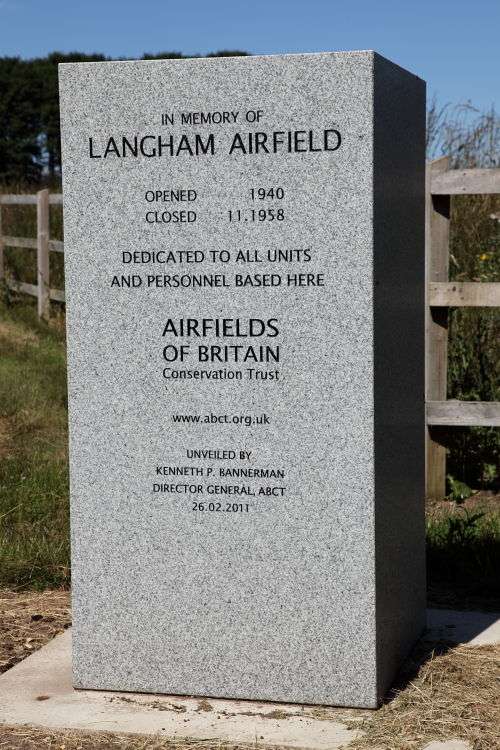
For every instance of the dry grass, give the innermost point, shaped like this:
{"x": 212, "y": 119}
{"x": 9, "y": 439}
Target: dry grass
{"x": 16, "y": 334}
{"x": 29, "y": 738}
{"x": 28, "y": 621}
{"x": 454, "y": 694}
{"x": 5, "y": 436}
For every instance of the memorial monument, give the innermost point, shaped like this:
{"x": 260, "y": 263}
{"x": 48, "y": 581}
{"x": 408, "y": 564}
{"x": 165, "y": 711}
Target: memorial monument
{"x": 244, "y": 243}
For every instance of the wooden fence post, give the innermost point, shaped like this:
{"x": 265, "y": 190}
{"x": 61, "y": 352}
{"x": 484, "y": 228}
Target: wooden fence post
{"x": 437, "y": 261}
{"x": 43, "y": 268}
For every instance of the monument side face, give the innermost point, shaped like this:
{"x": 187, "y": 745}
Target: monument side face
{"x": 398, "y": 305}
{"x": 229, "y": 443}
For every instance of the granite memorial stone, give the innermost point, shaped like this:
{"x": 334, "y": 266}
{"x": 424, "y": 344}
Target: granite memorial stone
{"x": 244, "y": 258}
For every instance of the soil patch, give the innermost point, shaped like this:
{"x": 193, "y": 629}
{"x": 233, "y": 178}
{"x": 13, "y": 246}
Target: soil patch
{"x": 28, "y": 620}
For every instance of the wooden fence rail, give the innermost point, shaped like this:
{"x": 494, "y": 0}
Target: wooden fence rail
{"x": 441, "y": 293}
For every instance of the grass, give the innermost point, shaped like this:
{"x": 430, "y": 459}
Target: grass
{"x": 463, "y": 553}
{"x": 34, "y": 539}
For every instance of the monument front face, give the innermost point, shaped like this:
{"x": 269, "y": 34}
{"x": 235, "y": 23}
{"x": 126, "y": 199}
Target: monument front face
{"x": 244, "y": 260}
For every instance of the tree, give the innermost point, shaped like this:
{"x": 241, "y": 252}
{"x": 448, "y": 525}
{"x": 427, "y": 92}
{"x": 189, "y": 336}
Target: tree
{"x": 20, "y": 121}
{"x": 47, "y": 74}
{"x": 30, "y": 139}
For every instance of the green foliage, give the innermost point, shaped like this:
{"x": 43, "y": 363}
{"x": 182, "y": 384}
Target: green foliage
{"x": 228, "y": 53}
{"x": 461, "y": 530}
{"x": 20, "y": 121}
{"x": 459, "y": 491}
{"x": 474, "y": 335}
{"x": 29, "y": 118}
{"x": 463, "y": 557}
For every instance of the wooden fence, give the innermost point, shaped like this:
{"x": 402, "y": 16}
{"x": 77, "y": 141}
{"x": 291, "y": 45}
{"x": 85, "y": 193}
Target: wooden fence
{"x": 41, "y": 243}
{"x": 442, "y": 183}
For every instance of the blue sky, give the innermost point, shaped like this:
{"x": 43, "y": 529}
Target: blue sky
{"x": 454, "y": 46}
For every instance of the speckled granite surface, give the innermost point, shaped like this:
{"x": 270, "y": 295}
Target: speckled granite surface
{"x": 306, "y": 582}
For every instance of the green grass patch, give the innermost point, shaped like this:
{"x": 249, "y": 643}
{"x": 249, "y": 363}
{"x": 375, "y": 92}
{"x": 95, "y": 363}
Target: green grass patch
{"x": 463, "y": 554}
{"x": 34, "y": 528}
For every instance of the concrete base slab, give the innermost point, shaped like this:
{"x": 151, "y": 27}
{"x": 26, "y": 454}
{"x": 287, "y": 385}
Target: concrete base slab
{"x": 38, "y": 691}
{"x": 473, "y": 628}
